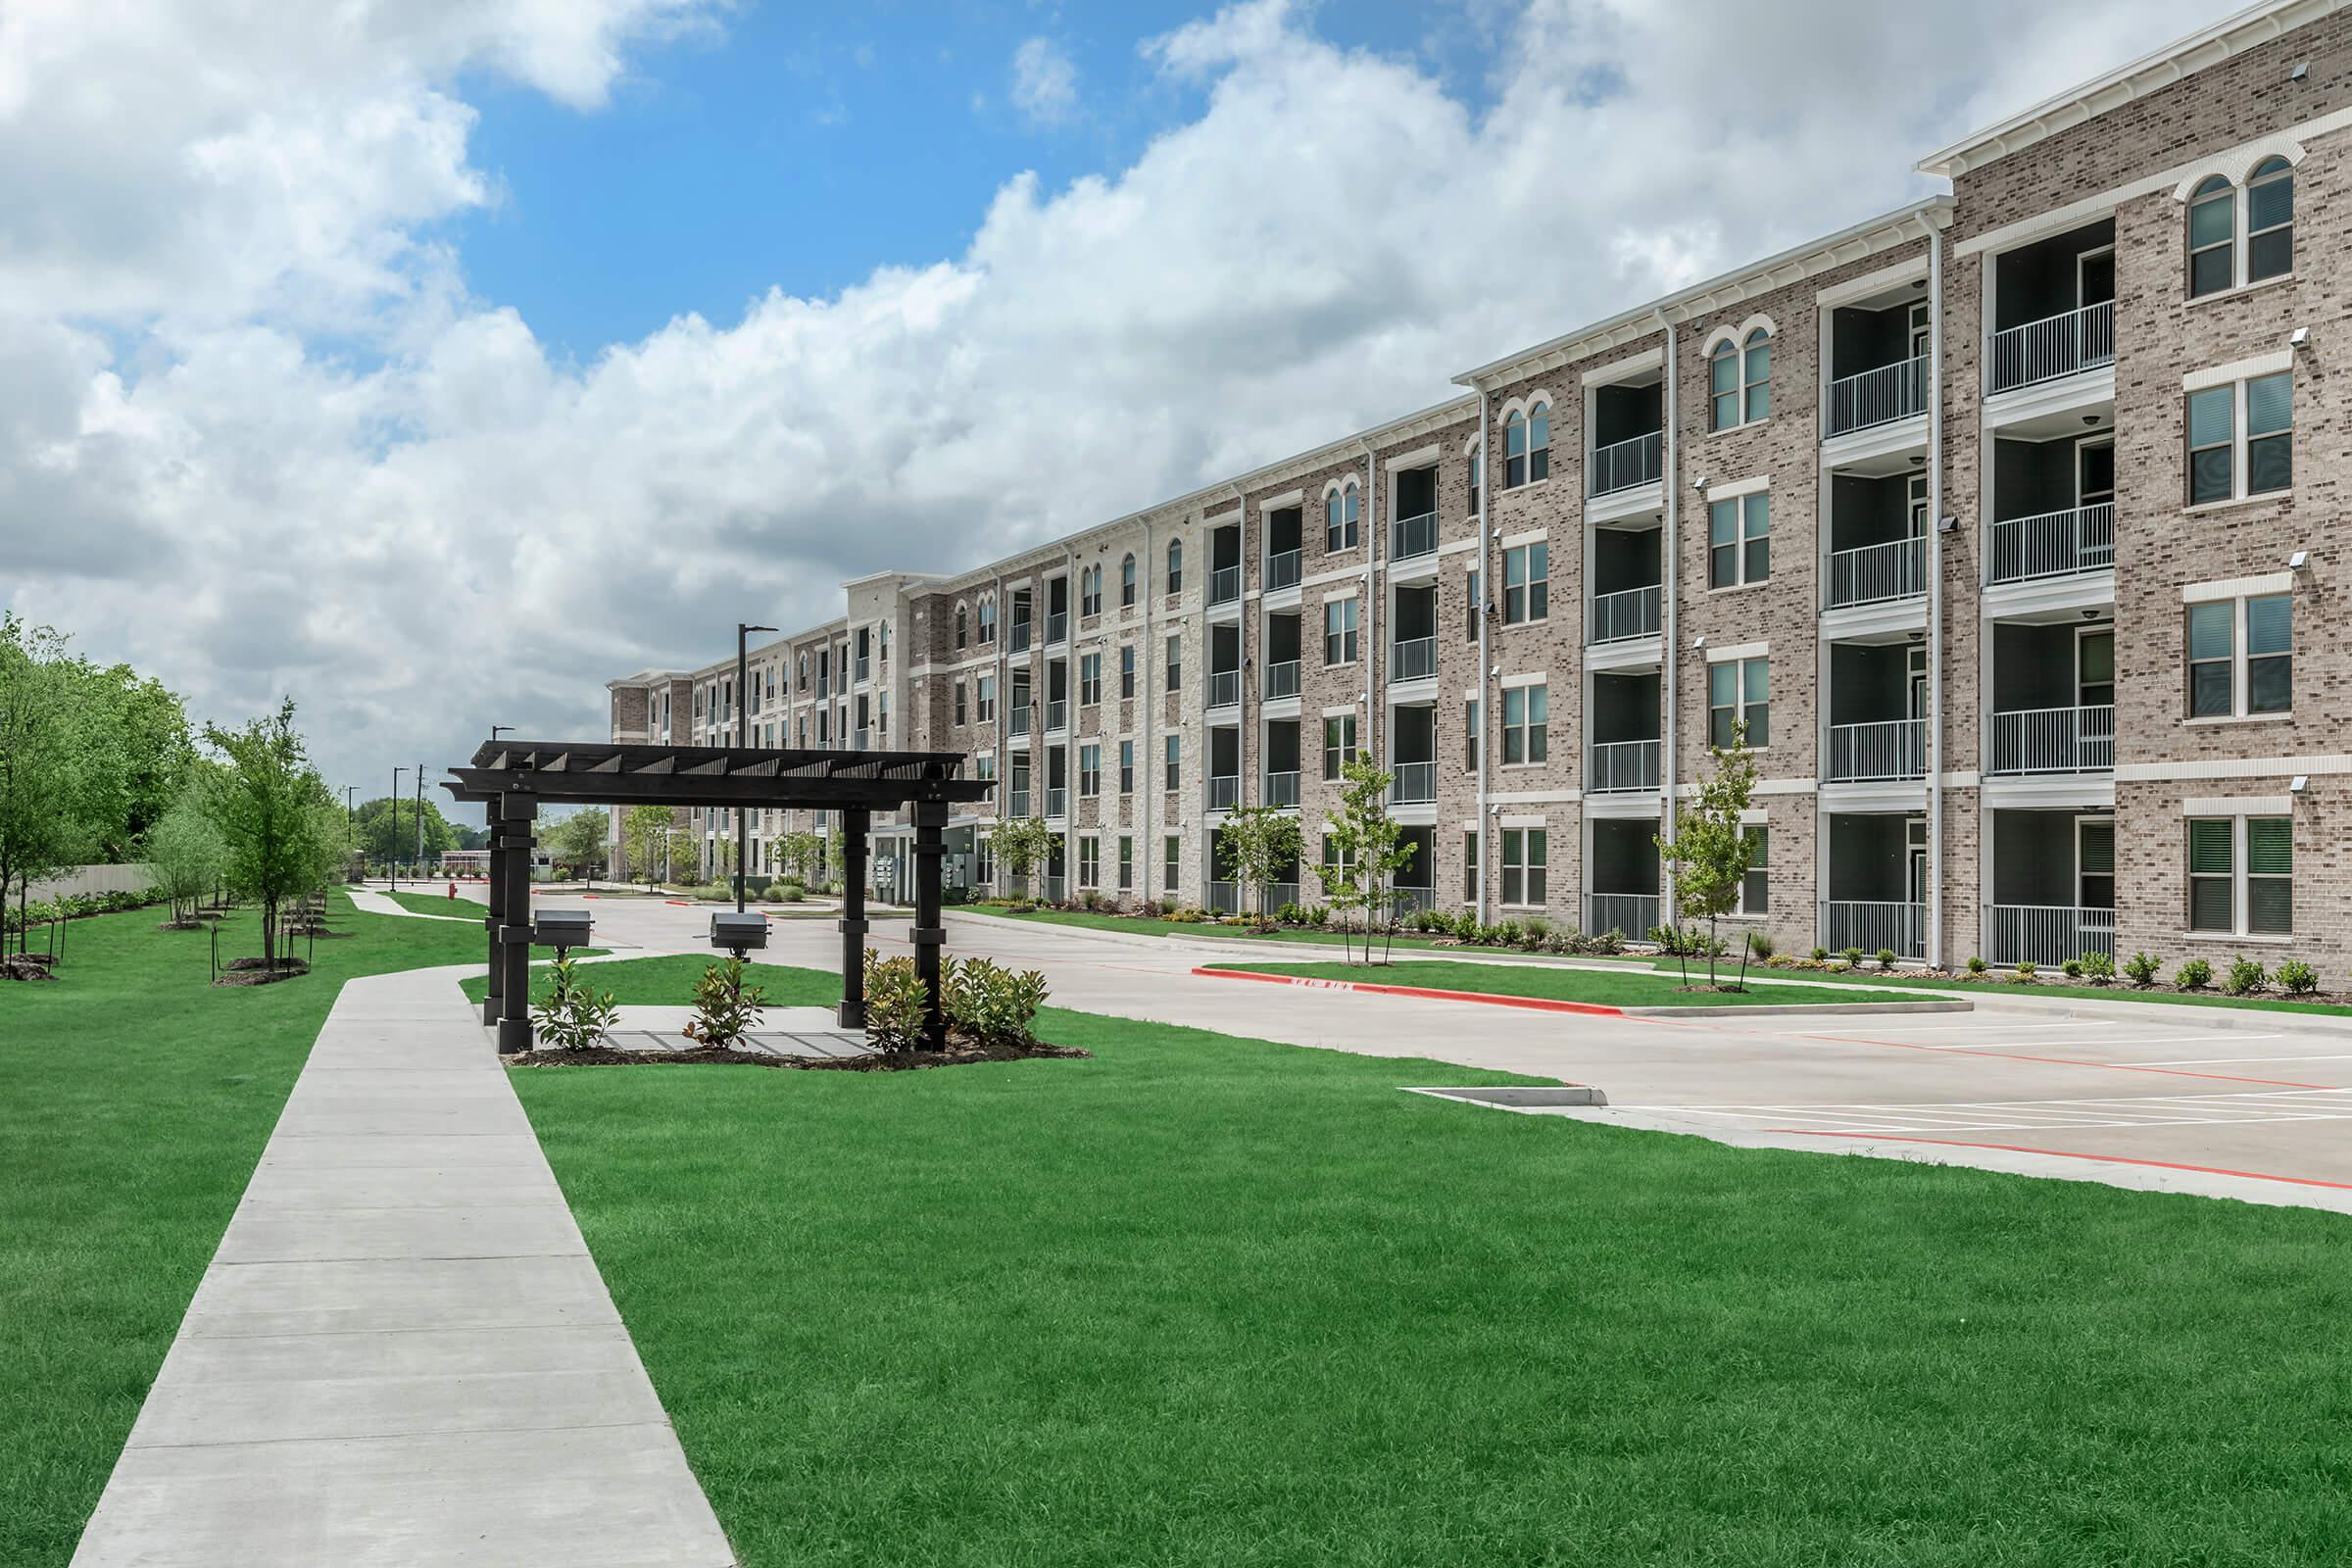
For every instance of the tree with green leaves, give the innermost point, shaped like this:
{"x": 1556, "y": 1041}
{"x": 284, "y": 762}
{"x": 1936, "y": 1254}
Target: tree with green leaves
{"x": 1365, "y": 848}
{"x": 802, "y": 854}
{"x": 186, "y": 854}
{"x": 1022, "y": 844}
{"x": 644, "y": 832}
{"x": 47, "y": 761}
{"x": 1710, "y": 848}
{"x": 273, "y": 811}
{"x": 577, "y": 841}
{"x": 1256, "y": 844}
{"x": 388, "y": 830}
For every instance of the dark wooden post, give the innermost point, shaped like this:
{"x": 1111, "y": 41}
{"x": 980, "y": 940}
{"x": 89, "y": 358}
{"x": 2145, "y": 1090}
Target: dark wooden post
{"x": 515, "y": 925}
{"x": 498, "y": 880}
{"x": 930, "y": 936}
{"x": 851, "y": 924}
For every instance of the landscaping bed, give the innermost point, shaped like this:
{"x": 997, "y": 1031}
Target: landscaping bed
{"x": 959, "y": 1054}
{"x": 261, "y": 971}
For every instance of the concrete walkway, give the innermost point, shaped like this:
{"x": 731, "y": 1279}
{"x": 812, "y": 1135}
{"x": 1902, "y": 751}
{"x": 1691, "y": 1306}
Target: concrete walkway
{"x": 369, "y": 902}
{"x": 402, "y": 1353}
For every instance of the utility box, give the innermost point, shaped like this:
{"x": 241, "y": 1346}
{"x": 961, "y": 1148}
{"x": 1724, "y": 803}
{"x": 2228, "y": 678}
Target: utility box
{"x": 738, "y": 931}
{"x": 561, "y": 928}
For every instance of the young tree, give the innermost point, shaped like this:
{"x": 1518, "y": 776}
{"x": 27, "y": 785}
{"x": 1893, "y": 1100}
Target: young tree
{"x": 271, "y": 810}
{"x": 387, "y": 829}
{"x": 578, "y": 841}
{"x": 185, "y": 852}
{"x": 1256, "y": 843}
{"x": 1367, "y": 848}
{"x": 645, "y": 834}
{"x": 47, "y": 761}
{"x": 1710, "y": 848}
{"x": 800, "y": 853}
{"x": 1022, "y": 844}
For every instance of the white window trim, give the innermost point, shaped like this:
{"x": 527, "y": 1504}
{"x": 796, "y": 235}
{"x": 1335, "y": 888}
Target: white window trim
{"x": 2237, "y": 170}
{"x": 2240, "y": 875}
{"x": 1734, "y": 489}
{"x": 1724, "y": 654}
{"x": 2240, "y": 471}
{"x": 2239, "y": 688}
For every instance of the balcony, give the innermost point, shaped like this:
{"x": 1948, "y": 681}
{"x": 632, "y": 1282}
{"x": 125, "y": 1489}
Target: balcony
{"x": 1901, "y": 928}
{"x": 1281, "y": 789}
{"x": 1409, "y": 537}
{"x": 1020, "y": 803}
{"x": 1019, "y": 719}
{"x": 865, "y": 667}
{"x": 1618, "y": 617}
{"x": 1224, "y": 688}
{"x": 1409, "y": 898}
{"x": 2054, "y": 740}
{"x": 1874, "y": 573}
{"x": 1613, "y": 766}
{"x": 2047, "y": 936}
{"x": 1632, "y": 914}
{"x": 1624, "y": 464}
{"x": 1883, "y": 396}
{"x": 1283, "y": 570}
{"x": 1891, "y": 748}
{"x": 1225, "y": 898}
{"x": 1018, "y": 641}
{"x": 1058, "y": 626}
{"x": 1282, "y": 680}
{"x": 1413, "y": 783}
{"x": 1051, "y": 888}
{"x": 1057, "y": 713}
{"x": 1225, "y": 793}
{"x": 1224, "y": 585}
{"x": 1416, "y": 660}
{"x": 2055, "y": 346}
{"x": 1058, "y": 800}
{"x": 2055, "y": 544}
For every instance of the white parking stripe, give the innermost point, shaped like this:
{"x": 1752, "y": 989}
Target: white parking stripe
{"x": 2154, "y": 1111}
{"x": 2222, "y": 1062}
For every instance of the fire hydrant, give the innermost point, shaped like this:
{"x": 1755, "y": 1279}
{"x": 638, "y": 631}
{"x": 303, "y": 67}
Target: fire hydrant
{"x": 453, "y": 889}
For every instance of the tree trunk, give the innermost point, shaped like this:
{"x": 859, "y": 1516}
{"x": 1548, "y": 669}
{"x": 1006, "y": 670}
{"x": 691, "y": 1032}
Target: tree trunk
{"x": 1712, "y": 984}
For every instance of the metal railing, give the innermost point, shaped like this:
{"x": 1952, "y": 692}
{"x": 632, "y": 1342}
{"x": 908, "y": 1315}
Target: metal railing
{"x": 1224, "y": 794}
{"x": 1283, "y": 570}
{"x": 1279, "y": 894}
{"x": 1051, "y": 888}
{"x": 1224, "y": 585}
{"x": 1058, "y": 626}
{"x": 1224, "y": 688}
{"x": 2054, "y": 544}
{"x": 1632, "y": 914}
{"x": 1058, "y": 800}
{"x": 1623, "y": 465}
{"x": 1621, "y": 765}
{"x": 1413, "y": 536}
{"x": 1057, "y": 712}
{"x": 1282, "y": 680}
{"x": 866, "y": 667}
{"x": 1627, "y": 612}
{"x": 1225, "y": 898}
{"x": 1881, "y": 396}
{"x": 1281, "y": 789}
{"x": 2054, "y": 740}
{"x": 862, "y": 733}
{"x": 2052, "y": 347}
{"x": 1405, "y": 897}
{"x": 1875, "y": 927}
{"x": 1413, "y": 783}
{"x": 1020, "y": 719}
{"x": 1895, "y": 747}
{"x": 1416, "y": 658}
{"x": 1020, "y": 803}
{"x": 2048, "y": 935}
{"x": 1872, "y": 574}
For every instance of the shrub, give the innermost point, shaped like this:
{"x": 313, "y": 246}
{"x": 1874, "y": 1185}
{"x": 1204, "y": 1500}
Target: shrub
{"x": 1977, "y": 965}
{"x": 1506, "y": 935}
{"x": 2297, "y": 978}
{"x": 1288, "y": 914}
{"x": 2142, "y": 967}
{"x": 2247, "y": 977}
{"x": 993, "y": 1005}
{"x": 572, "y": 1018}
{"x": 1090, "y": 900}
{"x": 723, "y": 1010}
{"x": 1317, "y": 914}
{"x": 1532, "y": 931}
{"x": 2194, "y": 975}
{"x": 2072, "y": 968}
{"x": 1852, "y": 958}
{"x": 2025, "y": 974}
{"x": 1818, "y": 954}
{"x": 895, "y": 1002}
{"x": 1760, "y": 944}
{"x": 1886, "y": 958}
{"x": 2098, "y": 967}
{"x": 787, "y": 892}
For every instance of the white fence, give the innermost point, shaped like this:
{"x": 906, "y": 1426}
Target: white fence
{"x": 86, "y": 879}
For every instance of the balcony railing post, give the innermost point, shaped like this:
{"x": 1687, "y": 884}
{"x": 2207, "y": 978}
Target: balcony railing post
{"x": 2049, "y": 936}
{"x": 1413, "y": 660}
{"x": 2054, "y": 740}
{"x": 1623, "y": 465}
{"x": 1875, "y": 927}
{"x": 2054, "y": 544}
{"x": 2054, "y": 346}
{"x": 1890, "y": 749}
{"x": 1880, "y": 396}
{"x": 1628, "y": 613}
{"x": 1624, "y": 765}
{"x": 1413, "y": 536}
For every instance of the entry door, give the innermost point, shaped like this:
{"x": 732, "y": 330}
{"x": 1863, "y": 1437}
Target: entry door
{"x": 2094, "y": 277}
{"x": 1916, "y": 661}
{"x": 1915, "y": 838}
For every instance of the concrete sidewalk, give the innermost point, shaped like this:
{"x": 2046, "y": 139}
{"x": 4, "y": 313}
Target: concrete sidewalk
{"x": 402, "y": 1353}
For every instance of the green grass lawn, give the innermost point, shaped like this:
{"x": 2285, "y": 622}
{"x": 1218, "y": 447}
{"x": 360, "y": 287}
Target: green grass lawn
{"x": 1182, "y": 928}
{"x": 1201, "y": 1299}
{"x": 1634, "y": 989}
{"x": 440, "y": 903}
{"x": 1995, "y": 987}
{"x": 669, "y": 981}
{"x": 138, "y": 1098}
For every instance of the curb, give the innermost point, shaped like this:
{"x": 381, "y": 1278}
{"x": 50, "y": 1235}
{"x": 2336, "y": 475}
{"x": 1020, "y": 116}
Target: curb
{"x": 1590, "y": 1009}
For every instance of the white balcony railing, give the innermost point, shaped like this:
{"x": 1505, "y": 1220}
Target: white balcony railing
{"x": 2054, "y": 740}
{"x": 1282, "y": 680}
{"x": 1901, "y": 928}
{"x": 2054, "y": 544}
{"x": 1416, "y": 658}
{"x": 1058, "y": 626}
{"x": 1058, "y": 800}
{"x": 1020, "y": 803}
{"x": 1881, "y": 396}
{"x": 1281, "y": 789}
{"x": 1020, "y": 718}
{"x": 1057, "y": 712}
{"x": 1623, "y": 465}
{"x": 1283, "y": 569}
{"x": 1225, "y": 898}
{"x": 2052, "y": 347}
{"x": 1621, "y": 765}
{"x": 1628, "y": 613}
{"x": 1413, "y": 783}
{"x": 1413, "y": 536}
{"x": 1405, "y": 897}
{"x": 1224, "y": 794}
{"x": 1873, "y": 573}
{"x": 1224, "y": 688}
{"x": 2047, "y": 936}
{"x": 1632, "y": 914}
{"x": 1895, "y": 747}
{"x": 1020, "y": 637}
{"x": 1053, "y": 889}
{"x": 1224, "y": 585}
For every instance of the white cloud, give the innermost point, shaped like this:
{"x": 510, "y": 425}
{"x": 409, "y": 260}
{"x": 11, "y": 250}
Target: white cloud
{"x": 200, "y": 211}
{"x": 1045, "y": 82}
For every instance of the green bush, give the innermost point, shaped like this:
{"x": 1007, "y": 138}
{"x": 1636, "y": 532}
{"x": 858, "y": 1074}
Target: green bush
{"x": 1760, "y": 944}
{"x": 1886, "y": 958}
{"x": 895, "y": 1002}
{"x": 2142, "y": 969}
{"x": 1818, "y": 955}
{"x": 2297, "y": 978}
{"x": 2194, "y": 975}
{"x": 1977, "y": 965}
{"x": 2025, "y": 973}
{"x": 2072, "y": 968}
{"x": 2098, "y": 967}
{"x": 991, "y": 1003}
{"x": 724, "y": 1009}
{"x": 573, "y": 1017}
{"x": 2247, "y": 977}
{"x": 1852, "y": 958}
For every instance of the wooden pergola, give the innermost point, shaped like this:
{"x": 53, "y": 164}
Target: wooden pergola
{"x": 510, "y": 779}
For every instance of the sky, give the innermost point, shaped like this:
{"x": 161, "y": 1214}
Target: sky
{"x": 434, "y": 362}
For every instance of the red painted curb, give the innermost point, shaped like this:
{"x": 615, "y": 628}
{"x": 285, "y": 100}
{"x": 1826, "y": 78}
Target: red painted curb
{"x": 1532, "y": 1004}
{"x": 683, "y": 903}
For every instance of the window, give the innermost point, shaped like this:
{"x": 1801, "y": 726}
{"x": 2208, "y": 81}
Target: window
{"x": 1175, "y": 565}
{"x": 984, "y": 764}
{"x": 2212, "y": 237}
{"x": 1754, "y": 885}
{"x": 1472, "y": 758}
{"x": 1127, "y": 583}
{"x": 1470, "y": 866}
{"x": 1176, "y": 664}
{"x": 2255, "y": 900}
{"x": 2224, "y": 685}
{"x": 1739, "y": 380}
{"x": 1339, "y": 631}
{"x": 1739, "y": 689}
{"x": 1523, "y": 726}
{"x": 1339, "y": 743}
{"x": 1478, "y": 471}
{"x": 1127, "y": 671}
{"x": 1739, "y": 540}
{"x": 2271, "y": 220}
{"x": 1126, "y": 862}
{"x": 2264, "y": 407}
{"x": 1527, "y": 445}
{"x": 1526, "y": 583}
{"x": 1341, "y": 518}
{"x": 1090, "y": 679}
{"x": 1090, "y": 862}
{"x": 1126, "y": 767}
{"x": 1473, "y": 606}
{"x": 804, "y": 666}
{"x": 1170, "y": 769}
{"x": 986, "y": 697}
{"x": 963, "y": 624}
{"x": 1090, "y": 771}
{"x": 1171, "y": 859}
{"x": 988, "y": 620}
{"x": 959, "y": 710}
{"x": 1523, "y": 851}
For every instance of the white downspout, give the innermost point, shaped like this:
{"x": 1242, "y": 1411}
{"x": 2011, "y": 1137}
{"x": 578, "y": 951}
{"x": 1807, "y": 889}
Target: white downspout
{"x": 1670, "y": 649}
{"x": 1486, "y": 710}
{"x": 1142, "y": 702}
{"x": 1935, "y": 888}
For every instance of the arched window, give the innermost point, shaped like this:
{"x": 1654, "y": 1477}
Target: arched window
{"x": 2271, "y": 220}
{"x": 988, "y": 619}
{"x": 2212, "y": 237}
{"x": 1175, "y": 567}
{"x": 1755, "y": 374}
{"x": 1127, "y": 583}
{"x": 962, "y": 623}
{"x": 1739, "y": 380}
{"x": 1343, "y": 517}
{"x": 804, "y": 669}
{"x": 1090, "y": 591}
{"x": 1527, "y": 445}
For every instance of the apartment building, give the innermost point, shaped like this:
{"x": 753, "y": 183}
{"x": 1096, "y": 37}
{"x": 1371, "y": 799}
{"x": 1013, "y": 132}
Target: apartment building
{"x": 1997, "y": 524}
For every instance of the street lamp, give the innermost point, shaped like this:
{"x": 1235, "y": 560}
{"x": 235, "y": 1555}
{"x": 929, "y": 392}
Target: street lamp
{"x": 392, "y": 843}
{"x": 743, "y": 708}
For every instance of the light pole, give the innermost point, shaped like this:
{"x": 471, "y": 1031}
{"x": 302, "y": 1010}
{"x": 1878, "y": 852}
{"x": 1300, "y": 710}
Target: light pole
{"x": 742, "y": 710}
{"x": 419, "y": 813}
{"x": 351, "y": 836}
{"x": 392, "y": 843}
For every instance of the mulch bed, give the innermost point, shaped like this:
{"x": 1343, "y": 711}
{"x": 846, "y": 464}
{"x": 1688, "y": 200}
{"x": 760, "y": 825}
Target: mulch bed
{"x": 957, "y": 1054}
{"x": 257, "y": 972}
{"x": 26, "y": 967}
